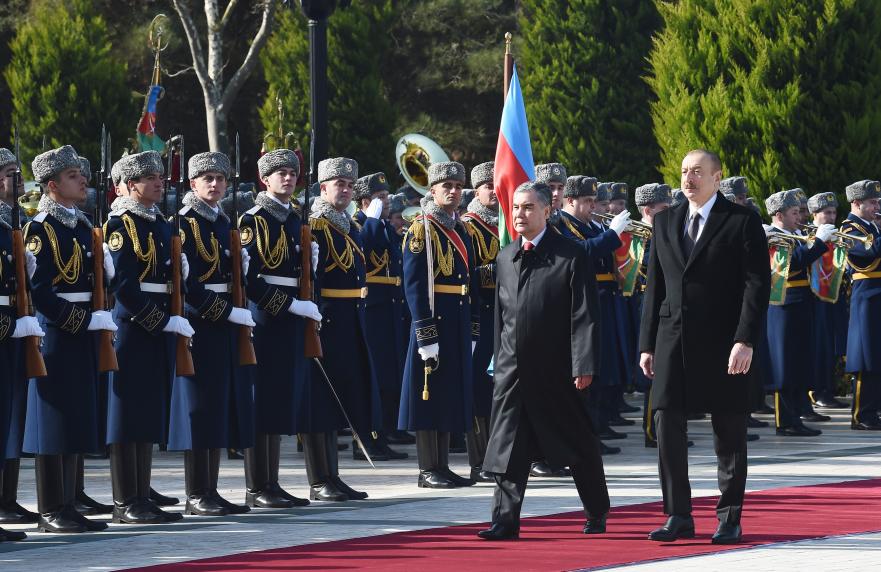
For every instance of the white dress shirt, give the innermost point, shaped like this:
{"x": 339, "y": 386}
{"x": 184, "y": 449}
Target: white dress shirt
{"x": 705, "y": 214}
{"x": 535, "y": 240}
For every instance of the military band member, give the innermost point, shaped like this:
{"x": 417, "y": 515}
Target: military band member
{"x": 11, "y": 512}
{"x": 625, "y": 327}
{"x": 270, "y": 231}
{"x": 790, "y": 323}
{"x": 386, "y": 320}
{"x": 863, "y": 344}
{"x": 443, "y": 301}
{"x": 61, "y": 421}
{"x": 482, "y": 223}
{"x": 617, "y": 197}
{"x": 341, "y": 289}
{"x": 213, "y": 409}
{"x": 736, "y": 187}
{"x": 554, "y": 176}
{"x": 830, "y": 317}
{"x": 139, "y": 242}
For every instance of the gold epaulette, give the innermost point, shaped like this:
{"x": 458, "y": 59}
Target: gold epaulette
{"x": 318, "y": 223}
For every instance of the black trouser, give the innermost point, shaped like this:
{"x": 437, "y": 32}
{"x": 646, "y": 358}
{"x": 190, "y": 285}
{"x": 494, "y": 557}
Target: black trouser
{"x": 788, "y": 407}
{"x": 866, "y": 397}
{"x": 648, "y": 417}
{"x": 729, "y": 441}
{"x": 588, "y": 474}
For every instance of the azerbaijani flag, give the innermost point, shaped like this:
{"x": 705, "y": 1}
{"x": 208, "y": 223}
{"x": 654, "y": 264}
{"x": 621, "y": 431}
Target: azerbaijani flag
{"x": 514, "y": 164}
{"x": 628, "y": 258}
{"x": 827, "y": 273}
{"x": 147, "y": 138}
{"x": 780, "y": 256}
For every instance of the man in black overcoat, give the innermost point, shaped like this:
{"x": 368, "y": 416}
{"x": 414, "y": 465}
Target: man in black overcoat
{"x": 543, "y": 280}
{"x": 703, "y": 312}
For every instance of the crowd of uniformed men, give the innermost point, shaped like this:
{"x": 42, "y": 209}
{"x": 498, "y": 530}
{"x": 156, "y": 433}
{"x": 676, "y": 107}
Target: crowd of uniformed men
{"x": 391, "y": 296}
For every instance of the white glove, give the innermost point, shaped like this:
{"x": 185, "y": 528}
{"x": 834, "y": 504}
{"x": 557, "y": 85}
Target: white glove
{"x": 109, "y": 270}
{"x": 315, "y": 250}
{"x": 430, "y": 351}
{"x": 620, "y": 222}
{"x": 27, "y": 326}
{"x": 180, "y": 326}
{"x": 184, "y": 266}
{"x": 101, "y": 320}
{"x": 473, "y": 345}
{"x": 242, "y": 317}
{"x": 374, "y": 209}
{"x": 824, "y": 232}
{"x": 305, "y": 308}
{"x": 30, "y": 262}
{"x": 246, "y": 261}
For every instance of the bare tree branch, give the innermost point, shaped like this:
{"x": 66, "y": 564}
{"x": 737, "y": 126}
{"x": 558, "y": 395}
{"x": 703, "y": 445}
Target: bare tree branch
{"x": 178, "y": 72}
{"x": 186, "y": 17}
{"x": 238, "y": 79}
{"x": 227, "y": 14}
{"x": 215, "y": 46}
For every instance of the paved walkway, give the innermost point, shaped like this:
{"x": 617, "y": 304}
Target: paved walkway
{"x": 396, "y": 504}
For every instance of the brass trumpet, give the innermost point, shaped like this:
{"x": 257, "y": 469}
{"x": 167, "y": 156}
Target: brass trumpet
{"x": 846, "y": 240}
{"x": 787, "y": 240}
{"x": 634, "y": 226}
{"x": 29, "y": 201}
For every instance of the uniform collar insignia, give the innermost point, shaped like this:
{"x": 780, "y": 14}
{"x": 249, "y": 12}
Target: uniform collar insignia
{"x": 340, "y": 220}
{"x": 272, "y": 206}
{"x": 202, "y": 208}
{"x": 123, "y": 204}
{"x": 61, "y": 214}
{"x": 485, "y": 214}
{"x": 437, "y": 213}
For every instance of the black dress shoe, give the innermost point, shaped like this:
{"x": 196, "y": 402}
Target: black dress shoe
{"x": 14, "y": 513}
{"x": 266, "y": 499}
{"x": 84, "y": 504}
{"x": 609, "y": 434}
{"x": 11, "y": 535}
{"x": 815, "y": 417}
{"x": 478, "y": 475}
{"x": 499, "y": 532}
{"x": 618, "y": 421}
{"x": 651, "y": 443}
{"x": 392, "y": 454}
{"x": 89, "y": 524}
{"x": 595, "y": 525}
{"x": 59, "y": 523}
{"x": 727, "y": 533}
{"x": 205, "y": 505}
{"x": 276, "y": 488}
{"x": 234, "y": 455}
{"x": 231, "y": 508}
{"x": 162, "y": 500}
{"x": 434, "y": 480}
{"x": 751, "y": 437}
{"x": 541, "y": 469}
{"x": 753, "y": 423}
{"x": 829, "y": 403}
{"x": 696, "y": 416}
{"x": 608, "y": 450}
{"x": 327, "y": 491}
{"x": 627, "y": 408}
{"x": 798, "y": 431}
{"x": 166, "y": 516}
{"x": 138, "y": 512}
{"x": 375, "y": 453}
{"x": 675, "y": 528}
{"x": 400, "y": 438}
{"x": 347, "y": 490}
{"x": 872, "y": 425}
{"x": 457, "y": 480}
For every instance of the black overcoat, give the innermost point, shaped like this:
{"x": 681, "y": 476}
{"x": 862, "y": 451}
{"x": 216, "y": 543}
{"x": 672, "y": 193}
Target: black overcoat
{"x": 695, "y": 310}
{"x": 547, "y": 332}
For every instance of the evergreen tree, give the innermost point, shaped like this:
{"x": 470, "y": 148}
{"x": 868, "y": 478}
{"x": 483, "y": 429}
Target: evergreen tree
{"x": 361, "y": 117}
{"x": 581, "y": 66}
{"x": 65, "y": 81}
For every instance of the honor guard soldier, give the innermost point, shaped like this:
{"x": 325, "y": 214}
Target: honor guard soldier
{"x": 441, "y": 290}
{"x": 385, "y": 309}
{"x": 863, "y": 343}
{"x": 270, "y": 231}
{"x": 341, "y": 287}
{"x": 11, "y": 512}
{"x": 650, "y": 199}
{"x": 790, "y": 315}
{"x": 62, "y": 416}
{"x": 213, "y": 409}
{"x": 577, "y": 224}
{"x": 830, "y": 311}
{"x": 737, "y": 188}
{"x": 139, "y": 242}
{"x": 554, "y": 176}
{"x": 482, "y": 223}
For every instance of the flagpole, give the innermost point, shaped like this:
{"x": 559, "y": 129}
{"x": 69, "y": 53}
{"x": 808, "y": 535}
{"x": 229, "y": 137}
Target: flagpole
{"x": 509, "y": 64}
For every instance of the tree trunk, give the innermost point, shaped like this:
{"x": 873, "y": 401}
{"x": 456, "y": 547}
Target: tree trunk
{"x": 216, "y": 121}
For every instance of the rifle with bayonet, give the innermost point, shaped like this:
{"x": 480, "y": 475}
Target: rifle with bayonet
{"x": 106, "y": 352}
{"x": 184, "y": 361}
{"x": 313, "y": 341}
{"x": 33, "y": 359}
{"x": 246, "y": 348}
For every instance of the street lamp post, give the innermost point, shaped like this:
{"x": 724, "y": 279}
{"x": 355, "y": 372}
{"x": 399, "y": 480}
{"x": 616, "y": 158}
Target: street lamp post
{"x": 318, "y": 11}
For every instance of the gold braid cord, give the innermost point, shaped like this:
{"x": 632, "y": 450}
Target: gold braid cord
{"x": 346, "y": 260}
{"x": 213, "y": 257}
{"x": 572, "y": 229}
{"x": 148, "y": 257}
{"x": 67, "y": 271}
{"x": 443, "y": 259}
{"x": 379, "y": 262}
{"x": 487, "y": 253}
{"x": 273, "y": 257}
{"x": 861, "y": 231}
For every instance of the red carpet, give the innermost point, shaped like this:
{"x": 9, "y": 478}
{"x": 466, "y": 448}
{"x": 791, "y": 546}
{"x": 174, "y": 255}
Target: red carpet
{"x": 555, "y": 542}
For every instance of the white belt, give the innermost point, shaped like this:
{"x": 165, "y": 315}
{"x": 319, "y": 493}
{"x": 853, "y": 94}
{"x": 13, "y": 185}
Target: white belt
{"x": 75, "y": 296}
{"x": 4, "y": 301}
{"x": 280, "y": 280}
{"x": 219, "y": 288}
{"x": 155, "y": 288}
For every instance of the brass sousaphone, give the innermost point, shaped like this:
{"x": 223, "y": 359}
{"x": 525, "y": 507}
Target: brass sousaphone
{"x": 414, "y": 154}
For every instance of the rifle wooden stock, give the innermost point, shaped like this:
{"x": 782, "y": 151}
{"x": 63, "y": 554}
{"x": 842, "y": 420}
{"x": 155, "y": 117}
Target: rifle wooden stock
{"x": 34, "y": 366}
{"x": 106, "y": 353}
{"x": 184, "y": 363}
{"x": 313, "y": 341}
{"x": 246, "y": 348}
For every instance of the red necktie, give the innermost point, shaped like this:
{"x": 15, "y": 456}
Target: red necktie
{"x": 527, "y": 246}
